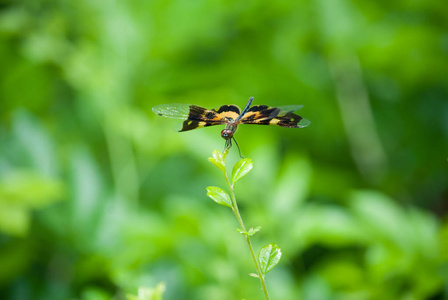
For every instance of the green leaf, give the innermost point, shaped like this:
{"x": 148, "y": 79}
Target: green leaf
{"x": 253, "y": 231}
{"x": 219, "y": 196}
{"x": 268, "y": 257}
{"x": 224, "y": 154}
{"x": 218, "y": 160}
{"x": 241, "y": 168}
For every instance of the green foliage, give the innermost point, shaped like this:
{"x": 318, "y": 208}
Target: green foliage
{"x": 218, "y": 159}
{"x": 149, "y": 294}
{"x": 20, "y": 194}
{"x": 98, "y": 196}
{"x": 241, "y": 168}
{"x": 268, "y": 257}
{"x": 251, "y": 231}
{"x": 219, "y": 196}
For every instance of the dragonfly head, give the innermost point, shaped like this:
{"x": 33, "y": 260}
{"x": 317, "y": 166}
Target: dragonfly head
{"x": 227, "y": 134}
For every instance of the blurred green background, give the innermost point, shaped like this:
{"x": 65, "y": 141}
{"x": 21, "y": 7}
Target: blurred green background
{"x": 99, "y": 196}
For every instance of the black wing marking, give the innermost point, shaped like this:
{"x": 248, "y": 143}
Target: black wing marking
{"x": 278, "y": 116}
{"x": 197, "y": 116}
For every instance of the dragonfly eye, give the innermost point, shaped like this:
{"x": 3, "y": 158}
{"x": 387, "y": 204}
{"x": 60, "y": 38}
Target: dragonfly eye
{"x": 227, "y": 134}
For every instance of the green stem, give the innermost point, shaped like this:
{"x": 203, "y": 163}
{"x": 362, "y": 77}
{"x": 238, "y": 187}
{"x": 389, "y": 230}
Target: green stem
{"x": 240, "y": 220}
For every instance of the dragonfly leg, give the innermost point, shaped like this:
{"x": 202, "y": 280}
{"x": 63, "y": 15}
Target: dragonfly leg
{"x": 238, "y": 148}
{"x": 227, "y": 145}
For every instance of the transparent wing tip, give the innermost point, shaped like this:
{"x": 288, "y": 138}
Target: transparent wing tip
{"x": 156, "y": 109}
{"x": 303, "y": 123}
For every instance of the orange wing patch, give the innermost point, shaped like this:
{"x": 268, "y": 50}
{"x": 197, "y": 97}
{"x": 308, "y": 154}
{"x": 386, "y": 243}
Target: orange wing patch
{"x": 199, "y": 117}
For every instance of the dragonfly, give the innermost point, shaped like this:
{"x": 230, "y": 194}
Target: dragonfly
{"x": 231, "y": 116}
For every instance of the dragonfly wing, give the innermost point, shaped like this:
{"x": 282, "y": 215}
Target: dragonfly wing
{"x": 291, "y": 108}
{"x": 194, "y": 116}
{"x": 173, "y": 110}
{"x": 278, "y": 116}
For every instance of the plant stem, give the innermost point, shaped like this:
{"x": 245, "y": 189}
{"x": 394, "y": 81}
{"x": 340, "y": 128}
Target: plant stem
{"x": 240, "y": 220}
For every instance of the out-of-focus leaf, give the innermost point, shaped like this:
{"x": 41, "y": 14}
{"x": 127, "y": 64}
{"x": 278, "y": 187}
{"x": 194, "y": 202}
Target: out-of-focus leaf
{"x": 292, "y": 186}
{"x": 15, "y": 257}
{"x": 241, "y": 169}
{"x": 383, "y": 218}
{"x": 399, "y": 235}
{"x": 20, "y": 192}
{"x": 219, "y": 196}
{"x": 316, "y": 287}
{"x": 444, "y": 241}
{"x": 14, "y": 219}
{"x": 37, "y": 144}
{"x": 342, "y": 273}
{"x": 30, "y": 189}
{"x": 327, "y": 225}
{"x": 268, "y": 257}
{"x": 86, "y": 186}
{"x": 218, "y": 159}
{"x": 149, "y": 293}
{"x": 93, "y": 293}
